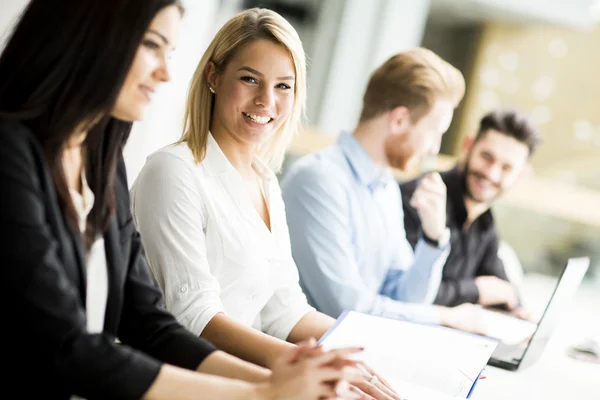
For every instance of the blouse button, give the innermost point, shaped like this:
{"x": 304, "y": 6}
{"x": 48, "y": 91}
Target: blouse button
{"x": 183, "y": 289}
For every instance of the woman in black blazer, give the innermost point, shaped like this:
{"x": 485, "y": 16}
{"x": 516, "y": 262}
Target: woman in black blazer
{"x": 83, "y": 316}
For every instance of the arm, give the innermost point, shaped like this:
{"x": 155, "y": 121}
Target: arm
{"x": 321, "y": 237}
{"x": 416, "y": 277}
{"x": 171, "y": 227}
{"x": 48, "y": 302}
{"x": 454, "y": 292}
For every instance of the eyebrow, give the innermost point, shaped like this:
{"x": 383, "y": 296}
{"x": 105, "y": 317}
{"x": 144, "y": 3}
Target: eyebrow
{"x": 252, "y": 70}
{"x": 160, "y": 35}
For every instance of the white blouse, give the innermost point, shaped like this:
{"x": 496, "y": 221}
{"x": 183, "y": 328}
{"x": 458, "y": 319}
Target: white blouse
{"x": 207, "y": 246}
{"x": 96, "y": 270}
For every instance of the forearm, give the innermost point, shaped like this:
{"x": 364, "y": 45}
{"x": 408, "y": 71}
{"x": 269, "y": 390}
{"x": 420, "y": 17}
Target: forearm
{"x": 175, "y": 383}
{"x": 244, "y": 342}
{"x": 225, "y": 365}
{"x": 312, "y": 325}
{"x": 420, "y": 283}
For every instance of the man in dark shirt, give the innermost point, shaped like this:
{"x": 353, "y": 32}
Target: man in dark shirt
{"x": 495, "y": 160}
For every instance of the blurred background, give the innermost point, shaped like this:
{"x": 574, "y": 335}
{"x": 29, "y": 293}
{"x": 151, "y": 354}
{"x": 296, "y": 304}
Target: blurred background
{"x": 537, "y": 55}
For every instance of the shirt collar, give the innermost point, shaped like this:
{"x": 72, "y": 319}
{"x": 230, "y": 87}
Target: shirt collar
{"x": 456, "y": 189}
{"x": 364, "y": 169}
{"x": 216, "y": 163}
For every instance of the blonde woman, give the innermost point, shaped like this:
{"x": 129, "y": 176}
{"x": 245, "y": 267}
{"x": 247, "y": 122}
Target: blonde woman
{"x": 209, "y": 207}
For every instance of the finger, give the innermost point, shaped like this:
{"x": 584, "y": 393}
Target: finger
{"x": 380, "y": 378}
{"x": 331, "y": 355}
{"x": 386, "y": 388}
{"x": 373, "y": 391}
{"x": 434, "y": 184}
{"x": 305, "y": 345}
{"x": 350, "y": 374}
{"x": 343, "y": 390}
{"x": 362, "y": 395}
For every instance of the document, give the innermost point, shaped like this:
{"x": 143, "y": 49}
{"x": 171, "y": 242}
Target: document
{"x": 419, "y": 361}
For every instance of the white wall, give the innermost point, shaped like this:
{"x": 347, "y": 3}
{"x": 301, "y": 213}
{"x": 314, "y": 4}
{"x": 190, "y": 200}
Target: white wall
{"x": 163, "y": 124}
{"x": 355, "y": 40}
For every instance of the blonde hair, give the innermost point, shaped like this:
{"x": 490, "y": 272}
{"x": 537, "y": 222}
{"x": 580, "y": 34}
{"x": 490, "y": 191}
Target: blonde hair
{"x": 244, "y": 28}
{"x": 415, "y": 79}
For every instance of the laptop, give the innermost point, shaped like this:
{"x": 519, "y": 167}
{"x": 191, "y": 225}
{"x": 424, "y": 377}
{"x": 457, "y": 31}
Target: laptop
{"x": 517, "y": 356}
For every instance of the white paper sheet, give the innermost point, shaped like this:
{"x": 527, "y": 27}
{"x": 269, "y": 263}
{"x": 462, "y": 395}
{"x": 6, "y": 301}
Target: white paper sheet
{"x": 421, "y": 359}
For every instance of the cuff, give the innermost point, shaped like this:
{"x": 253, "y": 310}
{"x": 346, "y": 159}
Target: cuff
{"x": 468, "y": 291}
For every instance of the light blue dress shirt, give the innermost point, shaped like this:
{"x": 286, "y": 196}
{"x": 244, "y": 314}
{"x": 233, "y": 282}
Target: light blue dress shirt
{"x": 348, "y": 239}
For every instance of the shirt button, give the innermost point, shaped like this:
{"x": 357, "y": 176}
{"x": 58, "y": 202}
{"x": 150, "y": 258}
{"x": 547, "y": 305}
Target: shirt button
{"x": 183, "y": 289}
{"x": 254, "y": 297}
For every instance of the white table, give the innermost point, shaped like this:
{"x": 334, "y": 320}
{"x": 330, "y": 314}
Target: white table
{"x": 555, "y": 376}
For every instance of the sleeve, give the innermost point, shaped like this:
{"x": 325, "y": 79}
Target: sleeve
{"x": 456, "y": 292}
{"x": 317, "y": 209}
{"x": 168, "y": 209}
{"x": 49, "y": 305}
{"x": 491, "y": 263}
{"x": 145, "y": 324}
{"x": 415, "y": 277}
{"x": 288, "y": 305}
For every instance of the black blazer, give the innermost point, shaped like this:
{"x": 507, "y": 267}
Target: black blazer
{"x": 43, "y": 269}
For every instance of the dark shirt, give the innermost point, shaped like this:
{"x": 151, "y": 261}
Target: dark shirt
{"x": 474, "y": 251}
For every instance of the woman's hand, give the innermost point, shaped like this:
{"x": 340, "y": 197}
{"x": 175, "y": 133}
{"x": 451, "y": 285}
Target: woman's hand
{"x": 310, "y": 373}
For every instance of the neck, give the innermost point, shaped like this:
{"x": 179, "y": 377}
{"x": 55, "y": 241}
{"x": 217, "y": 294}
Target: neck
{"x": 474, "y": 210}
{"x": 240, "y": 155}
{"x": 372, "y": 136}
{"x": 72, "y": 160}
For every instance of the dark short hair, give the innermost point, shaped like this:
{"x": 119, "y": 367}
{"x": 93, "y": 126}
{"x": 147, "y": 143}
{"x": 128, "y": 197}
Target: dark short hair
{"x": 511, "y": 123}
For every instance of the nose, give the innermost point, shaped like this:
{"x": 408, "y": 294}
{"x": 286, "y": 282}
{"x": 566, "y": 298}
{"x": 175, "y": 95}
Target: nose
{"x": 494, "y": 172}
{"x": 265, "y": 97}
{"x": 163, "y": 72}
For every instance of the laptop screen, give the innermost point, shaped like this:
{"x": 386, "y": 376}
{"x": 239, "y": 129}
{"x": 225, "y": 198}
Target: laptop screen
{"x": 524, "y": 354}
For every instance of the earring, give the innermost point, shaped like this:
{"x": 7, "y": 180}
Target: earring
{"x": 210, "y": 88}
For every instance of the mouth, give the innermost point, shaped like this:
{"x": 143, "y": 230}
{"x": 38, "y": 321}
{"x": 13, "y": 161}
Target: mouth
{"x": 147, "y": 92}
{"x": 483, "y": 182}
{"x": 257, "y": 119}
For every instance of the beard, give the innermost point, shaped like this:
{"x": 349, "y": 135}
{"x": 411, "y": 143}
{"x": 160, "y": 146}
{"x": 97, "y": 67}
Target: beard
{"x": 400, "y": 153}
{"x": 469, "y": 173}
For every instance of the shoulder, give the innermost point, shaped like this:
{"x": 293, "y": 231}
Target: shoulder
{"x": 327, "y": 167}
{"x": 168, "y": 166}
{"x": 17, "y": 142}
{"x": 22, "y": 157}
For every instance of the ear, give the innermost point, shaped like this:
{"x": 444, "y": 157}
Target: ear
{"x": 212, "y": 75}
{"x": 468, "y": 144}
{"x": 526, "y": 172}
{"x": 398, "y": 120}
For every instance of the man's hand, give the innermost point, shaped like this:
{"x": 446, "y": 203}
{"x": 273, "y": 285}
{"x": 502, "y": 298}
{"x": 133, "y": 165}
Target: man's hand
{"x": 429, "y": 199}
{"x": 494, "y": 291}
{"x": 465, "y": 317}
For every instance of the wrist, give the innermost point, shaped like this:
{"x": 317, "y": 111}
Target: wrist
{"x": 263, "y": 391}
{"x": 439, "y": 241}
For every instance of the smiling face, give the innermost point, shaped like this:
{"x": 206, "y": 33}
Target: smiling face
{"x": 149, "y": 68}
{"x": 254, "y": 95}
{"x": 494, "y": 164}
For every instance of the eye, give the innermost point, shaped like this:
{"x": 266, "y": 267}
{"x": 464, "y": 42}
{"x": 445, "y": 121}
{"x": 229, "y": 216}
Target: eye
{"x": 248, "y": 79}
{"x": 151, "y": 44}
{"x": 283, "y": 86}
